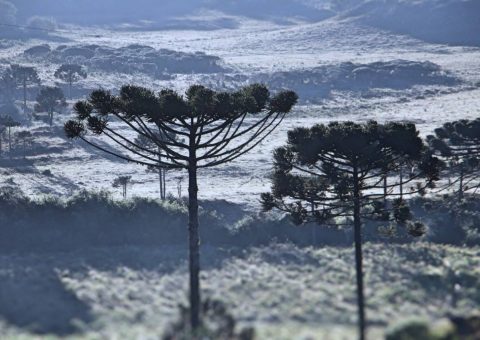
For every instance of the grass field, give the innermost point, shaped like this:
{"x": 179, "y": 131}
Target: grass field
{"x": 286, "y": 292}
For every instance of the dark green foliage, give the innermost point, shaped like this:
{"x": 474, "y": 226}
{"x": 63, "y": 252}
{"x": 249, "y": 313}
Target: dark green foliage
{"x": 401, "y": 211}
{"x": 95, "y": 219}
{"x": 416, "y": 229}
{"x": 315, "y": 169}
{"x": 458, "y": 143}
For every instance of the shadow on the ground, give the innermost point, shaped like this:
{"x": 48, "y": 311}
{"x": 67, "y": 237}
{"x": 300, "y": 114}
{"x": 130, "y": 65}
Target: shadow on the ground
{"x": 41, "y": 304}
{"x": 35, "y": 298}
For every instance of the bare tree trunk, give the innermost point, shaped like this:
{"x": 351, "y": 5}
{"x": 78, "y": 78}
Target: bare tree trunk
{"x": 24, "y": 95}
{"x": 194, "y": 245}
{"x": 314, "y": 224}
{"x": 401, "y": 182}
{"x": 161, "y": 183}
{"x": 164, "y": 175}
{"x": 50, "y": 115}
{"x": 193, "y": 235}
{"x": 160, "y": 178}
{"x": 385, "y": 191}
{"x": 460, "y": 188}
{"x": 358, "y": 254}
{"x": 9, "y": 142}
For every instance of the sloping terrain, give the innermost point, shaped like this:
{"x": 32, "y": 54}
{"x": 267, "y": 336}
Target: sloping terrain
{"x": 437, "y": 21}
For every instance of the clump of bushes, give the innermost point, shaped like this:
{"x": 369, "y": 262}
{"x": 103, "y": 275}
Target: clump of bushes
{"x": 90, "y": 219}
{"x": 451, "y": 328}
{"x": 216, "y": 324}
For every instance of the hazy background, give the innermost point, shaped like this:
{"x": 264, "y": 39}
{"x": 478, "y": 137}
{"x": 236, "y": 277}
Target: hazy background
{"x": 438, "y": 21}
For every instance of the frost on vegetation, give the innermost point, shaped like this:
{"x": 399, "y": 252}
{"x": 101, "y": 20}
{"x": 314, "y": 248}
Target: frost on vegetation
{"x": 216, "y": 324}
{"x": 135, "y": 291}
{"x": 319, "y": 82}
{"x": 129, "y": 59}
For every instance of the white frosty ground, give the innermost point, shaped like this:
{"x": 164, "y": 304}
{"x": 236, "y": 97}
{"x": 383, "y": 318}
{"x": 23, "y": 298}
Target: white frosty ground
{"x": 252, "y": 48}
{"x": 285, "y": 291}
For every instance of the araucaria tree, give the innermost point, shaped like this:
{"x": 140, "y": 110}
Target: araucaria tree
{"x": 22, "y": 76}
{"x": 147, "y": 143}
{"x": 331, "y": 174}
{"x": 9, "y": 123}
{"x": 122, "y": 181}
{"x": 25, "y": 137}
{"x": 213, "y": 128}
{"x": 50, "y": 100}
{"x": 70, "y": 73}
{"x": 458, "y": 143}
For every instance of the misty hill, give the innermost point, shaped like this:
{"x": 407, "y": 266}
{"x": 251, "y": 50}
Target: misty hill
{"x": 91, "y": 12}
{"x": 439, "y": 21}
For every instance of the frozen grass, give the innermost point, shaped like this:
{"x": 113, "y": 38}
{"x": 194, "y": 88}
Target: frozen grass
{"x": 284, "y": 291}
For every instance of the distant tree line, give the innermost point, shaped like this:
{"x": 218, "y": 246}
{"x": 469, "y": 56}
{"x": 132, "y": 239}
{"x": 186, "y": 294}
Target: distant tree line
{"x": 26, "y": 78}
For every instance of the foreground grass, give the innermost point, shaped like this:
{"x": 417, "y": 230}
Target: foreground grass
{"x": 284, "y": 291}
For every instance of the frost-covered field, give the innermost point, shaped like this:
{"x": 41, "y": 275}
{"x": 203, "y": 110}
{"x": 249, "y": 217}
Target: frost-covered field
{"x": 343, "y": 70}
{"x": 256, "y": 50}
{"x": 284, "y": 291}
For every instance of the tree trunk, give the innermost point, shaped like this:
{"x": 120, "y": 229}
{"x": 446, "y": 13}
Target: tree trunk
{"x": 164, "y": 175}
{"x": 24, "y": 95}
{"x": 401, "y": 182}
{"x": 314, "y": 226}
{"x": 460, "y": 188}
{"x": 385, "y": 191}
{"x": 9, "y": 142}
{"x": 160, "y": 177}
{"x": 70, "y": 89}
{"x": 161, "y": 184}
{"x": 193, "y": 237}
{"x": 358, "y": 254}
{"x": 50, "y": 115}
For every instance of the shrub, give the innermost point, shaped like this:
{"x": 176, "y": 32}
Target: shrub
{"x": 216, "y": 324}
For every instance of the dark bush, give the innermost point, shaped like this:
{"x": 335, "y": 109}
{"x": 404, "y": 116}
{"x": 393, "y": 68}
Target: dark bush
{"x": 217, "y": 324}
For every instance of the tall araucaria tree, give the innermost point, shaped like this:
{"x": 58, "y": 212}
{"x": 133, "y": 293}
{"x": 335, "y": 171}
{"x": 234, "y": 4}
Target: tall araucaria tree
{"x": 9, "y": 123}
{"x": 122, "y": 181}
{"x": 50, "y": 100}
{"x": 145, "y": 142}
{"x": 70, "y": 73}
{"x": 213, "y": 128}
{"x": 458, "y": 144}
{"x": 331, "y": 174}
{"x": 23, "y": 76}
